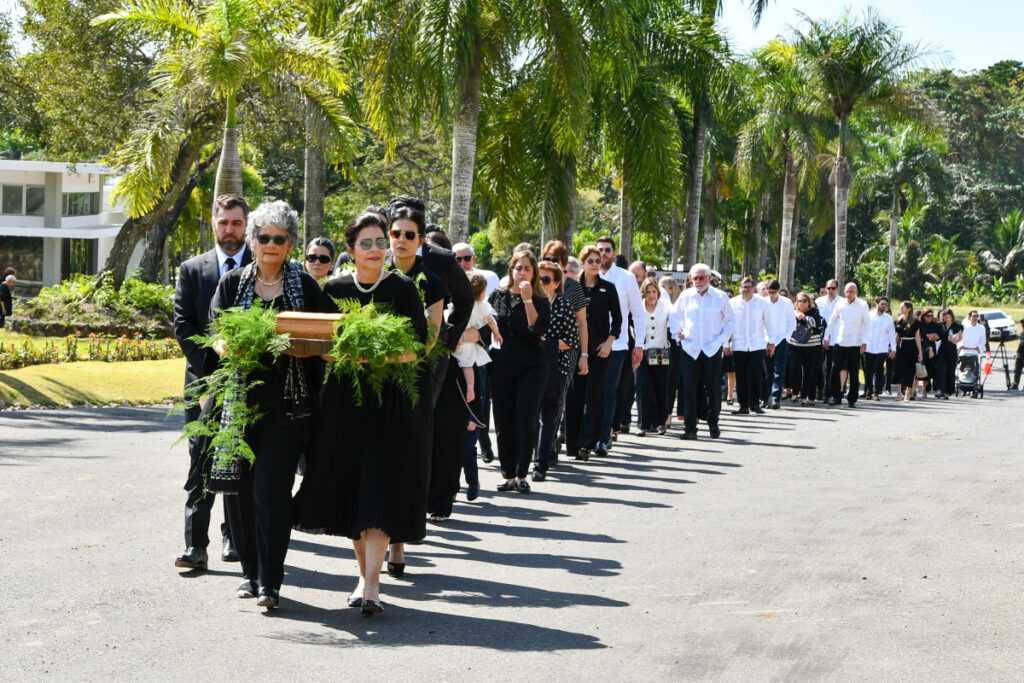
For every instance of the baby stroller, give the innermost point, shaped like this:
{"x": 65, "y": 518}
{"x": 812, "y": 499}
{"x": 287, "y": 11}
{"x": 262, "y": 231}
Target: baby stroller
{"x": 969, "y": 379}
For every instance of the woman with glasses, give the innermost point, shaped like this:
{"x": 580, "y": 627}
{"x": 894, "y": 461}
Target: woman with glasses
{"x": 908, "y": 350}
{"x": 367, "y": 477}
{"x": 945, "y": 364}
{"x": 561, "y": 347}
{"x": 805, "y": 350}
{"x": 585, "y": 402}
{"x": 652, "y": 375}
{"x": 319, "y": 258}
{"x": 260, "y": 514}
{"x": 518, "y": 368}
{"x": 931, "y": 335}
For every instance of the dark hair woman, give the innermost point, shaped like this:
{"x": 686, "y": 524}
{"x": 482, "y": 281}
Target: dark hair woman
{"x": 561, "y": 346}
{"x": 931, "y": 335}
{"x": 585, "y": 403}
{"x": 319, "y": 258}
{"x": 261, "y": 514}
{"x": 653, "y": 373}
{"x": 908, "y": 350}
{"x": 368, "y": 471}
{"x": 518, "y": 369}
{"x": 805, "y": 350}
{"x": 945, "y": 364}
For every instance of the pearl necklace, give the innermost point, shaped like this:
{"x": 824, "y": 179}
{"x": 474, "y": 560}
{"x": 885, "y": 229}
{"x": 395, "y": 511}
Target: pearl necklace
{"x": 355, "y": 281}
{"x": 268, "y": 284}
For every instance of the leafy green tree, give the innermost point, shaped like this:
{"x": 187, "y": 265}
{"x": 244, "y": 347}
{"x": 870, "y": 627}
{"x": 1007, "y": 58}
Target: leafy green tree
{"x": 910, "y": 274}
{"x": 945, "y": 263}
{"x": 1001, "y": 249}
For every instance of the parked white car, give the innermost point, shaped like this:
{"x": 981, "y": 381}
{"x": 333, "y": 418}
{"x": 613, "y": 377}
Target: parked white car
{"x": 997, "y": 322}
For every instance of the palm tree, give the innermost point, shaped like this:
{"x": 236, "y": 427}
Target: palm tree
{"x": 1002, "y": 245}
{"x": 910, "y": 261}
{"x": 857, "y": 66}
{"x": 945, "y": 264}
{"x": 909, "y": 166}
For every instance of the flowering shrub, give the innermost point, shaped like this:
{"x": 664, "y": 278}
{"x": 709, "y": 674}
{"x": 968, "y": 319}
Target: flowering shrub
{"x": 99, "y": 348}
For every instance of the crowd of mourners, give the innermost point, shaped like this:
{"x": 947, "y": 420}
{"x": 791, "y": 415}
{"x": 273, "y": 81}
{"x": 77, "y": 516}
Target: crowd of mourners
{"x": 544, "y": 361}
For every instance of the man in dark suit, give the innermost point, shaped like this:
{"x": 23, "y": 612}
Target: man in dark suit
{"x": 197, "y": 282}
{"x": 6, "y": 299}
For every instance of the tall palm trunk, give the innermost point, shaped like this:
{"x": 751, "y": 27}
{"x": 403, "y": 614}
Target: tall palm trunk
{"x": 762, "y": 237}
{"x": 314, "y": 180}
{"x": 788, "y": 204}
{"x": 794, "y": 244}
{"x": 843, "y": 179}
{"x": 691, "y": 224}
{"x": 709, "y": 224}
{"x": 894, "y": 226}
{"x": 229, "y": 170}
{"x": 625, "y": 222}
{"x": 745, "y": 263}
{"x": 464, "y": 132}
{"x": 564, "y": 219}
{"x": 676, "y": 228}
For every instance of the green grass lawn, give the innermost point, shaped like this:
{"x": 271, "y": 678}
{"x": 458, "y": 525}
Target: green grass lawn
{"x": 97, "y": 383}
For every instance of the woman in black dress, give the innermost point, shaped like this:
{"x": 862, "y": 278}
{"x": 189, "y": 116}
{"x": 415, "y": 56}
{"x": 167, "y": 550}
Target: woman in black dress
{"x": 945, "y": 364}
{"x": 260, "y": 514}
{"x": 585, "y": 403}
{"x": 931, "y": 335}
{"x": 518, "y": 368}
{"x": 908, "y": 350}
{"x": 367, "y": 476}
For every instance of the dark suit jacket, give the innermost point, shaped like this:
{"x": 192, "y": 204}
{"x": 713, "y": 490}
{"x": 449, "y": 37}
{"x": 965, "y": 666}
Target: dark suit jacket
{"x": 442, "y": 263}
{"x": 197, "y": 281}
{"x": 5, "y": 297}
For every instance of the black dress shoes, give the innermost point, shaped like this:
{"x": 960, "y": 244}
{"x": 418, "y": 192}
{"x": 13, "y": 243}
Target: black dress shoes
{"x": 269, "y": 598}
{"x": 715, "y": 432}
{"x": 472, "y": 491}
{"x": 758, "y": 410}
{"x": 228, "y": 553}
{"x": 487, "y": 456}
{"x": 396, "y": 569}
{"x": 506, "y": 486}
{"x": 355, "y": 600}
{"x": 741, "y": 411}
{"x": 193, "y": 558}
{"x": 688, "y": 436}
{"x": 371, "y": 607}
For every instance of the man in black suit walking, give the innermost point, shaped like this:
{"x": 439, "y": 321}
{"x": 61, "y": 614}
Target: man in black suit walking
{"x": 197, "y": 281}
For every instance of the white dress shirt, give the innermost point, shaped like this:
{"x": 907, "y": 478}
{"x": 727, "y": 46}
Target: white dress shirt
{"x": 630, "y": 302}
{"x": 973, "y": 341}
{"x": 222, "y": 259}
{"x": 882, "y": 337}
{"x": 849, "y": 324}
{"x": 753, "y": 321}
{"x": 826, "y": 306}
{"x": 706, "y": 321}
{"x": 783, "y": 317}
{"x": 656, "y": 324}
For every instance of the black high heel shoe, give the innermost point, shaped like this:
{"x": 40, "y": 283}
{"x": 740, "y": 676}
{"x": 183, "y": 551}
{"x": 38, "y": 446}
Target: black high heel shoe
{"x": 371, "y": 607}
{"x": 396, "y": 569}
{"x": 355, "y": 600}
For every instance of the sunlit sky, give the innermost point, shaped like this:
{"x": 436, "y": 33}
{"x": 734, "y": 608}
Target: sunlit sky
{"x": 966, "y": 35}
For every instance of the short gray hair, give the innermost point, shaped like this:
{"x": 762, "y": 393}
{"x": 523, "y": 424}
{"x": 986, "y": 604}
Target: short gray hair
{"x": 277, "y": 213}
{"x": 10, "y": 278}
{"x": 697, "y": 267}
{"x": 464, "y": 246}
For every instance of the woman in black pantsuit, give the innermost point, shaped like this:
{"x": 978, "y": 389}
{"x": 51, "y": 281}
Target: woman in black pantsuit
{"x": 585, "y": 403}
{"x": 908, "y": 350}
{"x": 519, "y": 368}
{"x": 945, "y": 366}
{"x": 260, "y": 515}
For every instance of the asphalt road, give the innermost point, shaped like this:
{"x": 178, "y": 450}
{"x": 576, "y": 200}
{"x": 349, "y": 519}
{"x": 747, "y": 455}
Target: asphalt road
{"x": 883, "y": 543}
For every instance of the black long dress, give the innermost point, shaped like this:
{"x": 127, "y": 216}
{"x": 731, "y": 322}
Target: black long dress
{"x": 906, "y": 351}
{"x": 370, "y": 464}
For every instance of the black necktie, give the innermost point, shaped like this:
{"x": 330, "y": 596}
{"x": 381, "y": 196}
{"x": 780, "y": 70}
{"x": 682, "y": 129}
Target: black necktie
{"x": 230, "y": 263}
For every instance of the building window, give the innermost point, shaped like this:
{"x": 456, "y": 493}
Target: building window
{"x": 79, "y": 203}
{"x": 25, "y": 255}
{"x": 11, "y": 199}
{"x": 35, "y": 197}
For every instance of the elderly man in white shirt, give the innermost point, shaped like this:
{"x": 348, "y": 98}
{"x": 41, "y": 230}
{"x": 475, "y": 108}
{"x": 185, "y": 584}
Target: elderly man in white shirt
{"x": 881, "y": 343}
{"x": 631, "y": 304}
{"x": 748, "y": 345}
{"x": 702, "y": 320}
{"x": 783, "y": 318}
{"x": 847, "y": 331}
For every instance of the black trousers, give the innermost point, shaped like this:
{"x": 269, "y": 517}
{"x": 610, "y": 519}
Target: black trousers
{"x": 470, "y": 468}
{"x": 451, "y": 416}
{"x": 707, "y": 370}
{"x": 805, "y": 364}
{"x": 874, "y": 372}
{"x": 516, "y": 394}
{"x": 845, "y": 358}
{"x": 749, "y": 367}
{"x": 625, "y": 395}
{"x": 652, "y": 383}
{"x": 945, "y": 370}
{"x": 261, "y": 513}
{"x": 198, "y": 502}
{"x": 551, "y": 410}
{"x": 824, "y": 388}
{"x": 584, "y": 406}
{"x": 1018, "y": 365}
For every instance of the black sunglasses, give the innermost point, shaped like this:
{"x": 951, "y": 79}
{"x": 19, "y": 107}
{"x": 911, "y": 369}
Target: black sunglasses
{"x": 593, "y": 261}
{"x": 367, "y": 243}
{"x": 322, "y": 258}
{"x": 545, "y": 279}
{"x": 279, "y": 240}
{"x": 464, "y": 259}
{"x": 408, "y": 234}
{"x": 605, "y": 250}
{"x": 550, "y": 259}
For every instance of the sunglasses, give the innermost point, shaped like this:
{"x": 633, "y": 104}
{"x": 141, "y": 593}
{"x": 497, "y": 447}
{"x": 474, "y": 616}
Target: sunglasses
{"x": 545, "y": 279}
{"x": 593, "y": 261}
{"x": 464, "y": 259}
{"x": 831, "y": 288}
{"x": 366, "y": 243}
{"x": 605, "y": 250}
{"x": 279, "y": 240}
{"x": 408, "y": 234}
{"x": 322, "y": 258}
{"x": 550, "y": 259}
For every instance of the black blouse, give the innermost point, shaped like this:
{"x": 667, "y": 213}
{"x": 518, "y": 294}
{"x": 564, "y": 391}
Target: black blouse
{"x": 518, "y": 337}
{"x": 905, "y": 328}
{"x": 603, "y": 313}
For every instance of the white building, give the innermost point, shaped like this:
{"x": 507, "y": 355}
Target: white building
{"x": 55, "y": 219}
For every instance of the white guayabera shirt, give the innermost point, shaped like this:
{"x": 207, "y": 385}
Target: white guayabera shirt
{"x": 706, "y": 321}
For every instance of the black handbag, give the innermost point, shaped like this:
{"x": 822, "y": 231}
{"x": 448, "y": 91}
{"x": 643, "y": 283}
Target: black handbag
{"x": 657, "y": 356}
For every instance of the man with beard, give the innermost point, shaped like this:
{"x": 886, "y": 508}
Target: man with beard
{"x": 197, "y": 282}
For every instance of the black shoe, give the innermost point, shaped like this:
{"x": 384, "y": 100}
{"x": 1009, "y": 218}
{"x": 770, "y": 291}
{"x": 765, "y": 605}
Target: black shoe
{"x": 741, "y": 411}
{"x": 193, "y": 558}
{"x": 487, "y": 456}
{"x": 624, "y": 429}
{"x": 247, "y": 589}
{"x": 371, "y": 607}
{"x": 355, "y": 600}
{"x": 523, "y": 486}
{"x": 757, "y": 410}
{"x": 506, "y": 486}
{"x": 715, "y": 432}
{"x": 601, "y": 449}
{"x": 688, "y": 436}
{"x": 583, "y": 454}
{"x": 228, "y": 553}
{"x": 774, "y": 405}
{"x": 853, "y": 405}
{"x": 269, "y": 598}
{"x": 472, "y": 491}
{"x": 539, "y": 475}
{"x": 396, "y": 569}
{"x": 642, "y": 432}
